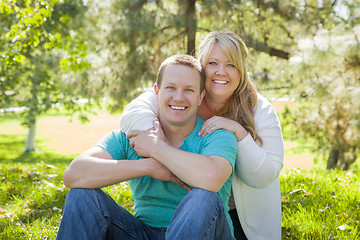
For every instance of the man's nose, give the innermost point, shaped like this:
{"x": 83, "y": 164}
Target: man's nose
{"x": 179, "y": 95}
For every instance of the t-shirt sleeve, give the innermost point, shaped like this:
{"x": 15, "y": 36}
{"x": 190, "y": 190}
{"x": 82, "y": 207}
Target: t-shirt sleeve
{"x": 221, "y": 143}
{"x": 116, "y": 144}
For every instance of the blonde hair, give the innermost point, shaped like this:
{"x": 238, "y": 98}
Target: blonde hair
{"x": 240, "y": 106}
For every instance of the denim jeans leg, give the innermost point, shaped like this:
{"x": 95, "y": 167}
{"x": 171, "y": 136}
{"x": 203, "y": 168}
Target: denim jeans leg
{"x": 92, "y": 214}
{"x": 200, "y": 215}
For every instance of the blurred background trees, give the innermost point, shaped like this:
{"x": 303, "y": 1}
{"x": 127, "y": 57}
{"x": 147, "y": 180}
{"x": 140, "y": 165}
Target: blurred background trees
{"x": 33, "y": 36}
{"x": 327, "y": 76}
{"x": 307, "y": 50}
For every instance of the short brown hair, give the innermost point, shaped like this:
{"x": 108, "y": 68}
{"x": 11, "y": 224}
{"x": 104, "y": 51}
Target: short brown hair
{"x": 182, "y": 59}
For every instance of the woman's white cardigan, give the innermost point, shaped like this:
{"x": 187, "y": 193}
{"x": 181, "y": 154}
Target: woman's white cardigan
{"x": 255, "y": 186}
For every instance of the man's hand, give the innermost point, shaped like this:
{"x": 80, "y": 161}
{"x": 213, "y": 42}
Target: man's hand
{"x": 144, "y": 142}
{"x": 158, "y": 171}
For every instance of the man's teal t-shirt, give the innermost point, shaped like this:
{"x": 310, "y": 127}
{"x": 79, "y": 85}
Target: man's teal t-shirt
{"x": 154, "y": 200}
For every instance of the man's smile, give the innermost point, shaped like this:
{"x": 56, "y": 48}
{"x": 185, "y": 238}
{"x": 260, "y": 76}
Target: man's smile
{"x": 177, "y": 107}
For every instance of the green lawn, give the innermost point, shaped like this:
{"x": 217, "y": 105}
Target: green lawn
{"x": 317, "y": 204}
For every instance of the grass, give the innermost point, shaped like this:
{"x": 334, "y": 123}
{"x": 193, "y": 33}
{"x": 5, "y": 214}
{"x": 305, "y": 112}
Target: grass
{"x": 317, "y": 204}
{"x": 32, "y": 193}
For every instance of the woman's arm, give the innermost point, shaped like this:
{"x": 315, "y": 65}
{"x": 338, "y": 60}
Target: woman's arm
{"x": 258, "y": 166}
{"x": 140, "y": 113}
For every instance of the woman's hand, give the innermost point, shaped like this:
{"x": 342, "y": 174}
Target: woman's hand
{"x": 216, "y": 122}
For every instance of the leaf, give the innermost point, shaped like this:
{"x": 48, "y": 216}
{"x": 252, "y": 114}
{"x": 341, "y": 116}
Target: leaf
{"x": 298, "y": 190}
{"x": 48, "y": 184}
{"x": 343, "y": 227}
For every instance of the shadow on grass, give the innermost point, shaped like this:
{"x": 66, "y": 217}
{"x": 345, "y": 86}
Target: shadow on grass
{"x": 49, "y": 158}
{"x": 12, "y": 148}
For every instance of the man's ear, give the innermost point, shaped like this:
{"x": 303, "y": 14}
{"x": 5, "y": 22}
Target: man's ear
{"x": 202, "y": 94}
{"x": 156, "y": 88}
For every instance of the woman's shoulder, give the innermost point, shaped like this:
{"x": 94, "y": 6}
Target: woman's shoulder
{"x": 264, "y": 111}
{"x": 262, "y": 103}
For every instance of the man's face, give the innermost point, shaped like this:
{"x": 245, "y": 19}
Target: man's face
{"x": 179, "y": 95}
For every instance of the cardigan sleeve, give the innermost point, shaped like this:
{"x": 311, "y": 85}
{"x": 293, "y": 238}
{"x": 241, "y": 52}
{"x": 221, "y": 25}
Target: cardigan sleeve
{"x": 140, "y": 113}
{"x": 258, "y": 166}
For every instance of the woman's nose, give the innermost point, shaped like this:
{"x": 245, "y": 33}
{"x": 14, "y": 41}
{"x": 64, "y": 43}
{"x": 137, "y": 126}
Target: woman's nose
{"x": 220, "y": 70}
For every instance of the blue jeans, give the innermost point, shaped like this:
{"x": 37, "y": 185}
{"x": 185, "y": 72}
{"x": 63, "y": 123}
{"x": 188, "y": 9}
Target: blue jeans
{"x": 92, "y": 214}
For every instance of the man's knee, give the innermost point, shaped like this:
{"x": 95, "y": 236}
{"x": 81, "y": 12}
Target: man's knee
{"x": 202, "y": 194}
{"x": 77, "y": 197}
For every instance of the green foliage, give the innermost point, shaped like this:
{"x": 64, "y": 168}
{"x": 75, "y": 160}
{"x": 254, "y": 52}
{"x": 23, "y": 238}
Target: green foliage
{"x": 36, "y": 35}
{"x": 35, "y": 31}
{"x": 328, "y": 86}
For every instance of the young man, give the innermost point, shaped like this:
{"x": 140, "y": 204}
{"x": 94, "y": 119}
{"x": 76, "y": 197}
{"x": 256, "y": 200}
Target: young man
{"x": 164, "y": 209}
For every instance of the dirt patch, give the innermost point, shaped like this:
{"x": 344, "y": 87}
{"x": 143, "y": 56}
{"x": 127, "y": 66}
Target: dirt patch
{"x": 66, "y": 137}
{"x": 280, "y": 105}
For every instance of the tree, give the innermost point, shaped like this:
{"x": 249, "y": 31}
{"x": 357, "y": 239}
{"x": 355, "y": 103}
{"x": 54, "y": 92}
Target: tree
{"x": 328, "y": 76}
{"x": 142, "y": 33}
{"x": 34, "y": 35}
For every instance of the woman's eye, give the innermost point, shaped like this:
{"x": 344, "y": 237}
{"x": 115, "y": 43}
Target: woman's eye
{"x": 189, "y": 90}
{"x": 170, "y": 88}
{"x": 230, "y": 65}
{"x": 212, "y": 63}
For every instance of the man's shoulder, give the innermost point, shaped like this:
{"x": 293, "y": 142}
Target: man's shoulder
{"x": 223, "y": 133}
{"x": 114, "y": 137}
{"x": 220, "y": 133}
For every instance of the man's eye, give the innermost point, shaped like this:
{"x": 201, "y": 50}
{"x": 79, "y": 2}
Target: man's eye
{"x": 189, "y": 90}
{"x": 170, "y": 88}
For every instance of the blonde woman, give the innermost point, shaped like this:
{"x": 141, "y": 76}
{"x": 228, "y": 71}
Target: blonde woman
{"x": 232, "y": 103}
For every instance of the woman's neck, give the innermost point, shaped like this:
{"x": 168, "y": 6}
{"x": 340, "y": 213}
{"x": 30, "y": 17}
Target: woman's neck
{"x": 209, "y": 108}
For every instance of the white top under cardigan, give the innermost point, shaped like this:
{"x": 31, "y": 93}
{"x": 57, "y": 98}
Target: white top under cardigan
{"x": 255, "y": 186}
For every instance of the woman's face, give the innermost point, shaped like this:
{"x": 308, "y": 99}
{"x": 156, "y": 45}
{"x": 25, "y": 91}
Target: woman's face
{"x": 222, "y": 77}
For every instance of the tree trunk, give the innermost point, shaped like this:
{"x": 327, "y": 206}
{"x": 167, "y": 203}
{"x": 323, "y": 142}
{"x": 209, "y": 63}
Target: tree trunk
{"x": 348, "y": 159}
{"x": 31, "y": 118}
{"x": 191, "y": 26}
{"x": 31, "y": 138}
{"x": 333, "y": 159}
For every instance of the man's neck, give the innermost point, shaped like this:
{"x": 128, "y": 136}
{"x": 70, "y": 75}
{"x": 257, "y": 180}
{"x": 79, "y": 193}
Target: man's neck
{"x": 176, "y": 134}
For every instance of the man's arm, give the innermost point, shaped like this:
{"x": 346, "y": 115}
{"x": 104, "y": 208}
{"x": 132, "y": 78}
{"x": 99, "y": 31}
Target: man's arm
{"x": 96, "y": 168}
{"x": 206, "y": 172}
